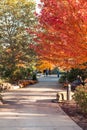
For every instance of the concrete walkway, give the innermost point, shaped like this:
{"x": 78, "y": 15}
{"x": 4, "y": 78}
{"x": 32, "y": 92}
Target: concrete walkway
{"x": 31, "y": 108}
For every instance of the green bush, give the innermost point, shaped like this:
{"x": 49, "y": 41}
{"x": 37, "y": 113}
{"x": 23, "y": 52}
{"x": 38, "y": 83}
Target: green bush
{"x": 34, "y": 77}
{"x": 80, "y": 96}
{"x": 72, "y": 74}
{"x": 15, "y": 74}
{"x": 63, "y": 78}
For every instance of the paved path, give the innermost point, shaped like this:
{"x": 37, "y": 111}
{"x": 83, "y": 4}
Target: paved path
{"x": 31, "y": 108}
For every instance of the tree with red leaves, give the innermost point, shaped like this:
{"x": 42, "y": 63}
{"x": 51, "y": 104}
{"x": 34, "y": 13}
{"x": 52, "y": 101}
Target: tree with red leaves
{"x": 62, "y": 35}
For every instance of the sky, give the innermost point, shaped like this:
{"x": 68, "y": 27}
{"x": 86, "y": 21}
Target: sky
{"x": 37, "y": 9}
{"x": 37, "y": 1}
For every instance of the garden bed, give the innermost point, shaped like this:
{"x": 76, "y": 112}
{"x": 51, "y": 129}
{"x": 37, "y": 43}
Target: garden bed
{"x": 24, "y": 83}
{"x": 71, "y": 109}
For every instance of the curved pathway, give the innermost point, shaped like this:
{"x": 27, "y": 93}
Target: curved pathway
{"x": 31, "y": 108}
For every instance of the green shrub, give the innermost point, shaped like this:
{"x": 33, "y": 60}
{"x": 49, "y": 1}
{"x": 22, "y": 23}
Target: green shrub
{"x": 15, "y": 74}
{"x": 80, "y": 96}
{"x": 63, "y": 78}
{"x": 34, "y": 77}
{"x": 72, "y": 75}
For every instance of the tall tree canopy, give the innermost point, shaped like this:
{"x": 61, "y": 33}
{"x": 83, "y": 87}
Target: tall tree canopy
{"x": 62, "y": 37}
{"x": 15, "y": 17}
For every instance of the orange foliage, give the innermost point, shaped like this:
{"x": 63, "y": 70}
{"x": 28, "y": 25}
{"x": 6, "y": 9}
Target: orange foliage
{"x": 24, "y": 83}
{"x": 8, "y": 50}
{"x": 21, "y": 65}
{"x": 43, "y": 64}
{"x": 63, "y": 40}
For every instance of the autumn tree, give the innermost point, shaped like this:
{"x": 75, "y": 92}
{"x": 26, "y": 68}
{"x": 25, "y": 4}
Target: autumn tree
{"x": 43, "y": 65}
{"x": 62, "y": 35}
{"x": 15, "y": 17}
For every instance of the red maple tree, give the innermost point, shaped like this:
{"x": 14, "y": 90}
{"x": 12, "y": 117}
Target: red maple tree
{"x": 62, "y": 35}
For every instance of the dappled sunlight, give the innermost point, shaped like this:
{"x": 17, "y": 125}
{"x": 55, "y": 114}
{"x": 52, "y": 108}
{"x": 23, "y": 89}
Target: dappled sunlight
{"x": 15, "y": 115}
{"x": 32, "y": 93}
{"x": 31, "y": 108}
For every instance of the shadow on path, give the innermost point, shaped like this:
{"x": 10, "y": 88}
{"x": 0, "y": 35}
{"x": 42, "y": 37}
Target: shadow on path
{"x": 31, "y": 108}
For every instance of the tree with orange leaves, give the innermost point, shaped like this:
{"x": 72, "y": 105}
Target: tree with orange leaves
{"x": 43, "y": 65}
{"x": 63, "y": 38}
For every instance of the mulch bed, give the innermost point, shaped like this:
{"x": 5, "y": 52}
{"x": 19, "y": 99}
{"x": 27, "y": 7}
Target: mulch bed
{"x": 71, "y": 109}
